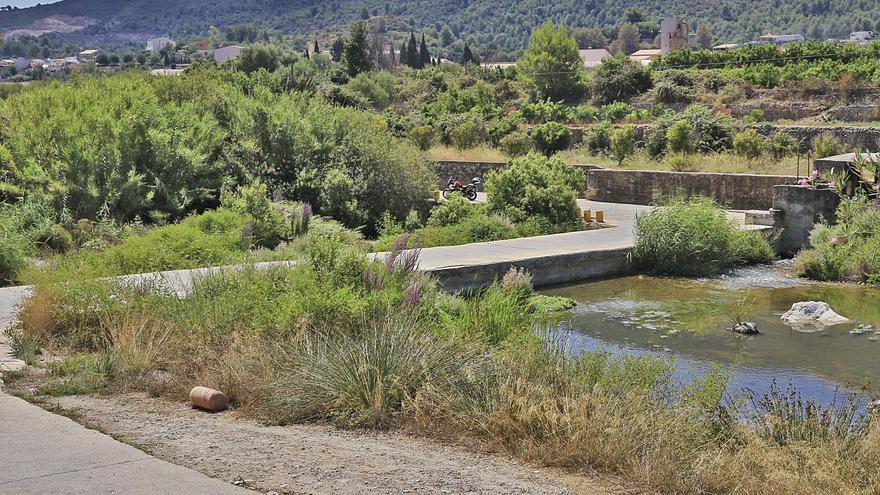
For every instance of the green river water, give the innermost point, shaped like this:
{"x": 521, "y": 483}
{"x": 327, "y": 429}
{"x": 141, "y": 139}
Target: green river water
{"x": 690, "y": 319}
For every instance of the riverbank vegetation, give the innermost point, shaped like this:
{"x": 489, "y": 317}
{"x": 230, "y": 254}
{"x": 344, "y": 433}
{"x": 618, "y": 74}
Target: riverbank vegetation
{"x": 376, "y": 345}
{"x": 693, "y": 236}
{"x": 533, "y": 195}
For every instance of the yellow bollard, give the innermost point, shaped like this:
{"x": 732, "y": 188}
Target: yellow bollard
{"x": 600, "y": 216}
{"x": 588, "y": 216}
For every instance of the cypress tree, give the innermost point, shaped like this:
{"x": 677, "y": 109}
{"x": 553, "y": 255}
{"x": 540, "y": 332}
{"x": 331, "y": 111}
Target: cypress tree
{"x": 424, "y": 54}
{"x": 412, "y": 54}
{"x": 315, "y": 49}
{"x": 401, "y": 55}
{"x": 466, "y": 56}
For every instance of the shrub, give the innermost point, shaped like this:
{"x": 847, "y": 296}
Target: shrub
{"x": 453, "y": 211}
{"x": 422, "y": 136}
{"x": 618, "y": 79}
{"x": 781, "y": 144}
{"x": 14, "y": 246}
{"x": 375, "y": 87}
{"x": 693, "y": 237}
{"x": 585, "y": 114}
{"x": 755, "y": 116}
{"x": 267, "y": 225}
{"x": 616, "y": 111}
{"x": 846, "y": 251}
{"x": 623, "y": 143}
{"x": 535, "y": 186}
{"x": 681, "y": 162}
{"x": 851, "y": 88}
{"x": 598, "y": 138}
{"x": 516, "y": 144}
{"x": 552, "y": 137}
{"x": 363, "y": 377}
{"x": 466, "y": 136}
{"x": 826, "y": 145}
{"x": 749, "y": 144}
{"x": 679, "y": 137}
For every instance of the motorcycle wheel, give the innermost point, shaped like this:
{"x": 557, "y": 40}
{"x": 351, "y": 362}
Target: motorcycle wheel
{"x": 445, "y": 193}
{"x": 471, "y": 194}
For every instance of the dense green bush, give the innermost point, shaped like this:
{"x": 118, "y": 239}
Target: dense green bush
{"x": 711, "y": 132}
{"x": 422, "y": 136}
{"x": 749, "y": 144}
{"x": 14, "y": 246}
{"x": 694, "y": 237}
{"x": 827, "y": 145}
{"x": 538, "y": 188}
{"x": 679, "y": 137}
{"x": 619, "y": 79}
{"x": 846, "y": 251}
{"x": 516, "y": 144}
{"x": 466, "y": 136}
{"x": 551, "y": 137}
{"x": 623, "y": 143}
{"x": 598, "y": 138}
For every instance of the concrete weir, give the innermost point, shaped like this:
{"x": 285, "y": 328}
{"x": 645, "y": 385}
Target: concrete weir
{"x": 551, "y": 259}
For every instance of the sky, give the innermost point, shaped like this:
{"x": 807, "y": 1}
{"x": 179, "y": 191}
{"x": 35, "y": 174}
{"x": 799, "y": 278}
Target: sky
{"x": 24, "y": 3}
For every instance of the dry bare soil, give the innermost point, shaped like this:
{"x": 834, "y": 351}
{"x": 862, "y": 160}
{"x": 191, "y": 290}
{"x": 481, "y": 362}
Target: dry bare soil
{"x": 319, "y": 459}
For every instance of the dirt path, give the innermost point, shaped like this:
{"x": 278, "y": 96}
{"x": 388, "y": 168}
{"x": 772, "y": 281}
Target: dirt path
{"x": 314, "y": 459}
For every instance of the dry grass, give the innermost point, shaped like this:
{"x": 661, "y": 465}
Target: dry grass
{"x": 479, "y": 154}
{"x": 713, "y": 162}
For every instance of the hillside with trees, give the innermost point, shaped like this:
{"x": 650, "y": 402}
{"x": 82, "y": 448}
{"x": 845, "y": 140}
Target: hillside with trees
{"x": 489, "y": 24}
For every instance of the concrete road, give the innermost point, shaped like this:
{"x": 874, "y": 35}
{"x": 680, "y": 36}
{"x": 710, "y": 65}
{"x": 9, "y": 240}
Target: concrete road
{"x": 43, "y": 453}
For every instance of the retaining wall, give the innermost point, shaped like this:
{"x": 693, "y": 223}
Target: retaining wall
{"x": 545, "y": 271}
{"x": 641, "y": 187}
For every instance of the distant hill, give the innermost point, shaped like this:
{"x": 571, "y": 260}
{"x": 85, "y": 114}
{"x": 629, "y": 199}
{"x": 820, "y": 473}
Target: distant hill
{"x": 504, "y": 24}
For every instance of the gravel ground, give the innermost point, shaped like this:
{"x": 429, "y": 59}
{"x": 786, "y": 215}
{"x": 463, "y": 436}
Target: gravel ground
{"x": 318, "y": 459}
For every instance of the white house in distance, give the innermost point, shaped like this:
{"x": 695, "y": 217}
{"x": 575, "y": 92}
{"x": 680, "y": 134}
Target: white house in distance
{"x": 159, "y": 44}
{"x": 226, "y": 53}
{"x": 645, "y": 56}
{"x": 861, "y": 36}
{"x": 780, "y": 39}
{"x": 88, "y": 55}
{"x": 592, "y": 57}
{"x": 673, "y": 35}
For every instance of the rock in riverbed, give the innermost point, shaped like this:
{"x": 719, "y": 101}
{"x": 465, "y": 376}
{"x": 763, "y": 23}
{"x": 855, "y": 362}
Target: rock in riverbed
{"x": 812, "y": 316}
{"x": 746, "y": 328}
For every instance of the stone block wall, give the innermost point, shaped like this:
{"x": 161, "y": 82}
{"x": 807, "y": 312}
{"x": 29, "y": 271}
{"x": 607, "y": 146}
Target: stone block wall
{"x": 737, "y": 191}
{"x": 797, "y": 209}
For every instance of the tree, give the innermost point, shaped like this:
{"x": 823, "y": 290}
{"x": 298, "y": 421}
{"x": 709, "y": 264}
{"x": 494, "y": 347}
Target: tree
{"x": 467, "y": 57}
{"x": 255, "y": 57}
{"x": 424, "y": 54}
{"x": 590, "y": 38}
{"x": 704, "y": 37}
{"x": 551, "y": 65}
{"x": 102, "y": 59}
{"x": 446, "y": 36}
{"x": 633, "y": 16}
{"x": 412, "y": 52}
{"x": 619, "y": 78}
{"x": 623, "y": 143}
{"x": 365, "y": 14}
{"x": 336, "y": 49}
{"x": 315, "y": 49}
{"x": 628, "y": 38}
{"x": 357, "y": 50}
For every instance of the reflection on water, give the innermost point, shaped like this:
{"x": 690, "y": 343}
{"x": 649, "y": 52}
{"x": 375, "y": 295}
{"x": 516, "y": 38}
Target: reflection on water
{"x": 689, "y": 318}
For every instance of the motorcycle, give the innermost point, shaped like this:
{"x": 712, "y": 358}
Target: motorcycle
{"x": 469, "y": 191}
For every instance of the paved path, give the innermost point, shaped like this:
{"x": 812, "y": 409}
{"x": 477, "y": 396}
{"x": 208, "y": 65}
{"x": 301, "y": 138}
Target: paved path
{"x": 43, "y": 453}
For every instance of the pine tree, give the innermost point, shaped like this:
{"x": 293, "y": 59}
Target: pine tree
{"x": 424, "y": 54}
{"x": 315, "y": 49}
{"x": 401, "y": 55}
{"x": 412, "y": 52}
{"x": 357, "y": 50}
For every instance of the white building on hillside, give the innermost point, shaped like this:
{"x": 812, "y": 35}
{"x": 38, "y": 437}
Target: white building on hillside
{"x": 861, "y": 36}
{"x": 592, "y": 57}
{"x": 673, "y": 35}
{"x": 226, "y": 53}
{"x": 780, "y": 39}
{"x": 159, "y": 44}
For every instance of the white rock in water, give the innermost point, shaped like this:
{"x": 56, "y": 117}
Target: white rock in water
{"x": 812, "y": 316}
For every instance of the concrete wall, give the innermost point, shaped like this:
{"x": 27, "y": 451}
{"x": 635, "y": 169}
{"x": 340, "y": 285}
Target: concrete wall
{"x": 797, "y": 209}
{"x": 546, "y": 271}
{"x": 737, "y": 191}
